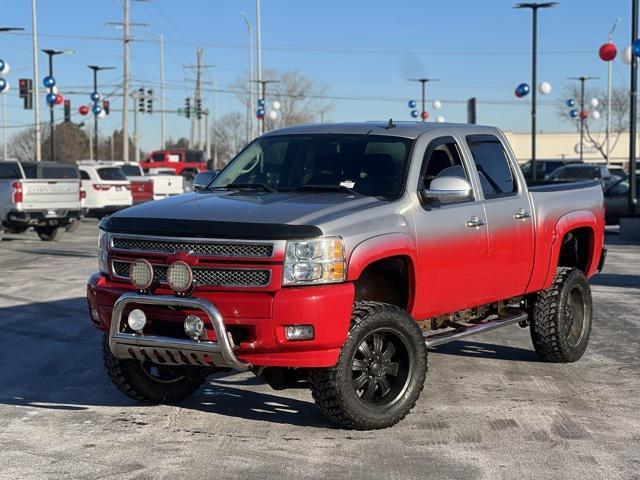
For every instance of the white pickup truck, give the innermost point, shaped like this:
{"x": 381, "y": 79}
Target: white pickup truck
{"x": 164, "y": 185}
{"x": 43, "y": 195}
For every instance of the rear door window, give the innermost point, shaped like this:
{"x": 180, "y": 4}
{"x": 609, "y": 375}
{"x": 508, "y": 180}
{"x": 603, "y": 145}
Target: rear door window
{"x": 494, "y": 169}
{"x": 131, "y": 170}
{"x": 111, "y": 173}
{"x": 84, "y": 175}
{"x": 9, "y": 170}
{"x": 157, "y": 157}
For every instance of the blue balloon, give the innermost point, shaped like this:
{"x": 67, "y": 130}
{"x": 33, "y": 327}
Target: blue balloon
{"x": 260, "y": 112}
{"x": 95, "y": 96}
{"x": 51, "y": 98}
{"x": 49, "y": 81}
{"x": 96, "y": 109}
{"x": 3, "y": 84}
{"x": 635, "y": 47}
{"x": 411, "y": 103}
{"x": 573, "y": 113}
{"x": 571, "y": 103}
{"x": 523, "y": 89}
{"x": 2, "y": 64}
{"x": 414, "y": 113}
{"x": 261, "y": 102}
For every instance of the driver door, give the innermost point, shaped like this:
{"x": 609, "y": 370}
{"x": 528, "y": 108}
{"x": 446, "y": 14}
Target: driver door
{"x": 452, "y": 237}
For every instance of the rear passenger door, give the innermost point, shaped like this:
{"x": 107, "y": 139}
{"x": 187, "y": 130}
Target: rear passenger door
{"x": 509, "y": 217}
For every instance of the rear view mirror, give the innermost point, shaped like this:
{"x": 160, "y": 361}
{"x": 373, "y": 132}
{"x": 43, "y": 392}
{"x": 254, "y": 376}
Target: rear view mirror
{"x": 448, "y": 190}
{"x": 203, "y": 179}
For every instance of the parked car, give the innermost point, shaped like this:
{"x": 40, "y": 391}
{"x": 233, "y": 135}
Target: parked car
{"x": 584, "y": 171}
{"x": 165, "y": 182}
{"x": 618, "y": 171}
{"x": 543, "y": 168}
{"x": 616, "y": 200}
{"x": 184, "y": 162}
{"x": 43, "y": 195}
{"x": 107, "y": 188}
{"x": 337, "y": 254}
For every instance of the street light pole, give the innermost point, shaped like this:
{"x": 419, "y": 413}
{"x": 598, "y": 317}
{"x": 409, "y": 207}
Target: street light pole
{"x": 52, "y": 144}
{"x": 96, "y": 69}
{"x": 534, "y": 73}
{"x": 36, "y": 75}
{"x": 251, "y": 105}
{"x": 424, "y": 82}
{"x": 5, "y": 155}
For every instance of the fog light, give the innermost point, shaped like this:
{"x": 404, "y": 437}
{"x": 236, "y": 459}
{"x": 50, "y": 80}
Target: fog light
{"x": 137, "y": 320}
{"x": 194, "y": 327}
{"x": 179, "y": 276}
{"x": 141, "y": 274}
{"x": 299, "y": 332}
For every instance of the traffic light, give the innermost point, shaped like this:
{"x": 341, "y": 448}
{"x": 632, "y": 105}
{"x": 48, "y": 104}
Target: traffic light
{"x": 106, "y": 106}
{"x": 199, "y": 108}
{"x": 67, "y": 111}
{"x": 149, "y": 101}
{"x": 187, "y": 107}
{"x": 26, "y": 92}
{"x": 141, "y": 100}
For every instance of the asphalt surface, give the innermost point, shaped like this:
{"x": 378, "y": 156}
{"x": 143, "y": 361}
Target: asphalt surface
{"x": 490, "y": 408}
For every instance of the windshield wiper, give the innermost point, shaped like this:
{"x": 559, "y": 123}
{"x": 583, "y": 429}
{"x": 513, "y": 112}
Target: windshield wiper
{"x": 326, "y": 188}
{"x": 261, "y": 186}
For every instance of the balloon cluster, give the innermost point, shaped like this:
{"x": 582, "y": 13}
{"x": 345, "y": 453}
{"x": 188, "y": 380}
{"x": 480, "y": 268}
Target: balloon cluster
{"x": 96, "y": 108}
{"x": 53, "y": 97}
{"x": 262, "y": 112}
{"x": 437, "y": 105}
{"x": 523, "y": 89}
{"x": 583, "y": 114}
{"x": 4, "y": 70}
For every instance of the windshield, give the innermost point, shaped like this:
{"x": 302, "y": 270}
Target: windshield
{"x": 372, "y": 165}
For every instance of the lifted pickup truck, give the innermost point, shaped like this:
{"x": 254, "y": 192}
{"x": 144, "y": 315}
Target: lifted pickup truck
{"x": 43, "y": 195}
{"x": 334, "y": 256}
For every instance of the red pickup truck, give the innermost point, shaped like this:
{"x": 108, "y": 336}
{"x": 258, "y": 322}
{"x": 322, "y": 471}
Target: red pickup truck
{"x": 187, "y": 163}
{"x": 334, "y": 256}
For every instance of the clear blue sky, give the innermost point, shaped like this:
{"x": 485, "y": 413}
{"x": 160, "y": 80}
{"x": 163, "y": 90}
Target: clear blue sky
{"x": 357, "y": 48}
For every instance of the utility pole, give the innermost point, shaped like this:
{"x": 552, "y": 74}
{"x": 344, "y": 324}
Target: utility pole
{"x": 162, "y": 124}
{"x": 583, "y": 112}
{"x": 609, "y": 88}
{"x": 196, "y": 122}
{"x": 424, "y": 81}
{"x": 534, "y": 74}
{"x": 633, "y": 186}
{"x": 36, "y": 79}
{"x": 5, "y": 154}
{"x": 259, "y": 55}
{"x": 136, "y": 136}
{"x": 251, "y": 99}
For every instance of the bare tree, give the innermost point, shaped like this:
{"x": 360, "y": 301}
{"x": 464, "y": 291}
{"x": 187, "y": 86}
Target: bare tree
{"x": 619, "y": 116}
{"x": 301, "y": 98}
{"x": 22, "y": 145}
{"x": 229, "y": 134}
{"x": 72, "y": 143}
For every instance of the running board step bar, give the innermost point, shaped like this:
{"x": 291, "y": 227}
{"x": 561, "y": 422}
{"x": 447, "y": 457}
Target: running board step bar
{"x": 457, "y": 334}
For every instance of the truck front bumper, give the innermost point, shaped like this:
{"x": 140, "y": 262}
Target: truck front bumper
{"x": 264, "y": 314}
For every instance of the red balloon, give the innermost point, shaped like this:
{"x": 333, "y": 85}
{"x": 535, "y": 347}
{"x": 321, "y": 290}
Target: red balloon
{"x": 584, "y": 115}
{"x": 83, "y": 110}
{"x": 608, "y": 52}
{"x": 518, "y": 94}
{"x": 425, "y": 115}
{"x": 59, "y": 99}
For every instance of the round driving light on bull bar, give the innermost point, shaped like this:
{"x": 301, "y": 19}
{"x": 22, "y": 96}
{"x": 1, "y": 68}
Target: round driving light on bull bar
{"x": 141, "y": 274}
{"x": 179, "y": 276}
{"x": 137, "y": 320}
{"x": 194, "y": 327}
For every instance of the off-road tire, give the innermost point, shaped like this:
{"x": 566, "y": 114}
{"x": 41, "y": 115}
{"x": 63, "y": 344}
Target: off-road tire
{"x": 49, "y": 234}
{"x": 549, "y": 325}
{"x": 332, "y": 388}
{"x": 130, "y": 378}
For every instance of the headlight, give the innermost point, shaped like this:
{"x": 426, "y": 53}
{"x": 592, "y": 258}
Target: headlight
{"x": 103, "y": 253}
{"x": 314, "y": 261}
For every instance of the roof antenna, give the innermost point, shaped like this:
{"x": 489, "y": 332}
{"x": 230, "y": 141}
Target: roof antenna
{"x": 390, "y": 125}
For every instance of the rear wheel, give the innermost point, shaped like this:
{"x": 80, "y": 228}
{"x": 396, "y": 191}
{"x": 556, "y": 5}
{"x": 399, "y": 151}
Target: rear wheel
{"x": 151, "y": 383}
{"x": 49, "y": 233}
{"x": 380, "y": 372}
{"x": 561, "y": 317}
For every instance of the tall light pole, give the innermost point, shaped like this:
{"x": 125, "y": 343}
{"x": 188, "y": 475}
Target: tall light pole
{"x": 125, "y": 85}
{"x": 162, "y": 124}
{"x": 259, "y": 55}
{"x": 424, "y": 81}
{"x": 96, "y": 69}
{"x": 5, "y": 155}
{"x": 52, "y": 53}
{"x": 251, "y": 105}
{"x": 534, "y": 73}
{"x": 583, "y": 113}
{"x": 633, "y": 186}
{"x": 36, "y": 78}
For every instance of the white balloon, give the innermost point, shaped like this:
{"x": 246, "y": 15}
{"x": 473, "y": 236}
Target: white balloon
{"x": 545, "y": 88}
{"x": 440, "y": 119}
{"x": 594, "y": 102}
{"x": 276, "y": 105}
{"x": 54, "y": 89}
{"x": 437, "y": 104}
{"x": 6, "y": 87}
{"x": 273, "y": 114}
{"x": 627, "y": 55}
{"x": 595, "y": 114}
{"x": 6, "y": 69}
{"x": 102, "y": 114}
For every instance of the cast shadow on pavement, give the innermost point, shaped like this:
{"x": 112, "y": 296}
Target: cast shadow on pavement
{"x": 616, "y": 280}
{"x": 464, "y": 348}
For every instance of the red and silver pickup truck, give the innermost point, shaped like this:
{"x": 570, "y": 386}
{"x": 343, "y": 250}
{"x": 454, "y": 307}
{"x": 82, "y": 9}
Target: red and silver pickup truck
{"x": 334, "y": 256}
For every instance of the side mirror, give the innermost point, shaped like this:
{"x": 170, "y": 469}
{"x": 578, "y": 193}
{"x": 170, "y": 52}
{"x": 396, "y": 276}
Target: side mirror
{"x": 203, "y": 179}
{"x": 448, "y": 190}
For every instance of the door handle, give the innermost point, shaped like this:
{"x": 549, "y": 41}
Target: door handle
{"x": 521, "y": 214}
{"x": 475, "y": 222}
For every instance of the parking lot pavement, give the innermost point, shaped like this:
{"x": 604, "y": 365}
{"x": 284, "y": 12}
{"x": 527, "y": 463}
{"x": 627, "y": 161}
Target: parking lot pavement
{"x": 489, "y": 410}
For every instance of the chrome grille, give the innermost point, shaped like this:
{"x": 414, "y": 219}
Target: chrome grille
{"x": 215, "y": 248}
{"x": 208, "y": 277}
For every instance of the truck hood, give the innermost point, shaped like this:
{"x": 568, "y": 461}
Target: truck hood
{"x": 239, "y": 214}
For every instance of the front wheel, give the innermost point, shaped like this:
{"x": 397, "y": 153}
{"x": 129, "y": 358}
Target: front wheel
{"x": 561, "y": 317}
{"x": 150, "y": 383}
{"x": 380, "y": 371}
{"x": 49, "y": 234}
